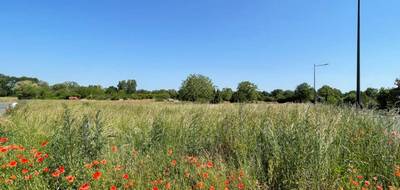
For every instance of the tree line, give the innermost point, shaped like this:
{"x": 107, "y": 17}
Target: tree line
{"x": 197, "y": 88}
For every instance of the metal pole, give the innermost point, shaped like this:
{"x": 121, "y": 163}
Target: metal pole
{"x": 315, "y": 90}
{"x": 359, "y": 104}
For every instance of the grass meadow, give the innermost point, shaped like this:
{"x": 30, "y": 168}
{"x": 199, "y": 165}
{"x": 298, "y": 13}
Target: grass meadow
{"x": 56, "y": 144}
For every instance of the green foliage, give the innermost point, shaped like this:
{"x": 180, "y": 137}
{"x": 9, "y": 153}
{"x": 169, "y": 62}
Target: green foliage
{"x": 128, "y": 86}
{"x": 304, "y": 93}
{"x": 330, "y": 95}
{"x": 246, "y": 92}
{"x": 226, "y": 94}
{"x": 197, "y": 88}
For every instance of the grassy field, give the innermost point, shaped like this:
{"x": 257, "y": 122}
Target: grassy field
{"x": 154, "y": 145}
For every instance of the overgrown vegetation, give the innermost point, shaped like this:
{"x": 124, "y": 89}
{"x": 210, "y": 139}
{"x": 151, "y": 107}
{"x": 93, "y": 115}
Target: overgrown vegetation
{"x": 198, "y": 146}
{"x": 197, "y": 88}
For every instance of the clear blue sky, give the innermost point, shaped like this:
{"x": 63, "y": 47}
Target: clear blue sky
{"x": 273, "y": 43}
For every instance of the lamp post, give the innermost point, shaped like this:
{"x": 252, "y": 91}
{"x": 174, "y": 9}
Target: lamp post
{"x": 358, "y": 103}
{"x": 315, "y": 90}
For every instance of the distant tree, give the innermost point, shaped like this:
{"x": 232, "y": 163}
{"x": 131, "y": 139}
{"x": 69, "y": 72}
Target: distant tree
{"x": 304, "y": 93}
{"x": 330, "y": 95}
{"x": 246, "y": 92}
{"x": 27, "y": 89}
{"x": 217, "y": 97}
{"x": 397, "y": 83}
{"x": 66, "y": 89}
{"x": 349, "y": 97}
{"x": 128, "y": 86}
{"x": 92, "y": 92}
{"x": 383, "y": 98}
{"x": 197, "y": 88}
{"x": 226, "y": 94}
{"x": 265, "y": 96}
{"x": 370, "y": 97}
{"x": 173, "y": 93}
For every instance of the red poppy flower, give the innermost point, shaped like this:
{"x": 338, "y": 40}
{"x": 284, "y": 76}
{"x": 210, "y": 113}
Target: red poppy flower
{"x": 114, "y": 148}
{"x": 173, "y": 163}
{"x": 212, "y": 187}
{"x": 168, "y": 185}
{"x": 155, "y": 188}
{"x": 56, "y": 173}
{"x": 240, "y": 186}
{"x": 40, "y": 159}
{"x": 28, "y": 177}
{"x": 205, "y": 175}
{"x": 12, "y": 164}
{"x": 45, "y": 170}
{"x": 24, "y": 171}
{"x": 210, "y": 164}
{"x": 125, "y": 176}
{"x": 70, "y": 178}
{"x": 95, "y": 162}
{"x": 44, "y": 143}
{"x": 85, "y": 186}
{"x": 23, "y": 160}
{"x": 113, "y": 187}
{"x": 104, "y": 162}
{"x": 61, "y": 169}
{"x": 3, "y": 139}
{"x": 96, "y": 175}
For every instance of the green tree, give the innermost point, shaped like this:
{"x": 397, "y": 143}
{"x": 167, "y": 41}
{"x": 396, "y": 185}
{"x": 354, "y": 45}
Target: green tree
{"x": 217, "y": 97}
{"x": 304, "y": 93}
{"x": 397, "y": 83}
{"x": 226, "y": 94}
{"x": 330, "y": 95}
{"x": 66, "y": 89}
{"x": 27, "y": 89}
{"x": 349, "y": 97}
{"x": 128, "y": 86}
{"x": 197, "y": 88}
{"x": 246, "y": 92}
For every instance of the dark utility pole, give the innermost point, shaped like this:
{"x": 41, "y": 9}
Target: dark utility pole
{"x": 359, "y": 104}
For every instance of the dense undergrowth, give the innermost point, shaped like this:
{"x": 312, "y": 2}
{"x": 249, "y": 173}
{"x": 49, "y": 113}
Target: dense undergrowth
{"x": 120, "y": 145}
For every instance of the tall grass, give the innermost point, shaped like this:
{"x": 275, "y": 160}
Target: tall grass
{"x": 250, "y": 146}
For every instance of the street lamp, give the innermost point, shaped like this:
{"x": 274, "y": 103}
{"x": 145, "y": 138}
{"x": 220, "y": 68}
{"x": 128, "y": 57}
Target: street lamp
{"x": 359, "y": 103}
{"x": 315, "y": 90}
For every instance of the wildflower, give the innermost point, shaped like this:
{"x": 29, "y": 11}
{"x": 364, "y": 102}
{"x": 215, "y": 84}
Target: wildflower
{"x": 200, "y": 185}
{"x": 56, "y": 173}
{"x": 125, "y": 176}
{"x": 360, "y": 177}
{"x": 61, "y": 169}
{"x": 12, "y": 164}
{"x": 45, "y": 170}
{"x": 155, "y": 188}
{"x": 397, "y": 172}
{"x": 96, "y": 175}
{"x": 114, "y": 149}
{"x": 375, "y": 178}
{"x": 88, "y": 166}
{"x": 85, "y": 186}
{"x": 24, "y": 171}
{"x": 95, "y": 162}
{"x": 168, "y": 185}
{"x": 240, "y": 186}
{"x": 3, "y": 139}
{"x": 170, "y": 152}
{"x": 70, "y": 178}
{"x": 367, "y": 183}
{"x": 173, "y": 163}
{"x": 355, "y": 183}
{"x": 226, "y": 182}
{"x": 13, "y": 177}
{"x": 36, "y": 173}
{"x": 44, "y": 143}
{"x": 118, "y": 168}
{"x": 28, "y": 177}
{"x": 205, "y": 175}
{"x": 379, "y": 187}
{"x": 104, "y": 162}
{"x": 210, "y": 164}
{"x": 23, "y": 160}
{"x": 40, "y": 159}
{"x": 113, "y": 187}
{"x": 212, "y": 187}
